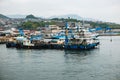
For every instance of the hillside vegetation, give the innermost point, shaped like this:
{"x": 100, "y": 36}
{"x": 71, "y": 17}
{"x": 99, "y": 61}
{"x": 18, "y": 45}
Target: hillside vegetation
{"x": 35, "y": 25}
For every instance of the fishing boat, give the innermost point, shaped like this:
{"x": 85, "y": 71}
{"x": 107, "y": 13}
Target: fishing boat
{"x": 81, "y": 44}
{"x": 81, "y": 40}
{"x": 12, "y": 41}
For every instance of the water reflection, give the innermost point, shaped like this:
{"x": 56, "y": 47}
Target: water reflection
{"x": 78, "y": 56}
{"x": 81, "y": 53}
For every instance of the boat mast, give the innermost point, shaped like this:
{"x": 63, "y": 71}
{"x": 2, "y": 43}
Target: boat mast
{"x": 66, "y": 33}
{"x": 21, "y": 32}
{"x": 83, "y": 23}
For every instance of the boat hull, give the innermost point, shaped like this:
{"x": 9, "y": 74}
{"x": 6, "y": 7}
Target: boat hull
{"x": 58, "y": 46}
{"x": 81, "y": 47}
{"x": 10, "y": 44}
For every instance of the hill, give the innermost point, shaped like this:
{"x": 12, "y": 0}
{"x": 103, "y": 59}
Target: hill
{"x": 93, "y": 23}
{"x": 31, "y": 17}
{"x": 72, "y": 16}
{"x": 3, "y": 16}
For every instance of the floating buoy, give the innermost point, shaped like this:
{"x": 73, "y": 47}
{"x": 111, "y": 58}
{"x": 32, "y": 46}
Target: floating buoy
{"x": 111, "y": 40}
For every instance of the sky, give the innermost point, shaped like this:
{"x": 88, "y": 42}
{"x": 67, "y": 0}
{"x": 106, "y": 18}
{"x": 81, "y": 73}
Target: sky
{"x": 105, "y": 10}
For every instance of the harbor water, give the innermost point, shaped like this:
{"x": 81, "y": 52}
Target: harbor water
{"x": 102, "y": 63}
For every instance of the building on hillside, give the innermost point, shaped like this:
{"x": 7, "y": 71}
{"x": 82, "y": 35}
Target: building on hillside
{"x": 54, "y": 28}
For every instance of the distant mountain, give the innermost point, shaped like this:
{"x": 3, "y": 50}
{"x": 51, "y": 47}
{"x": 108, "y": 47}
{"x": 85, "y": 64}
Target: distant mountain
{"x": 73, "y": 16}
{"x": 67, "y": 16}
{"x": 31, "y": 17}
{"x": 3, "y": 16}
{"x": 17, "y": 16}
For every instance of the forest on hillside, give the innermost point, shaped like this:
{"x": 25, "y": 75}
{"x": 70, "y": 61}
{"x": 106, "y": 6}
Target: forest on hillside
{"x": 35, "y": 25}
